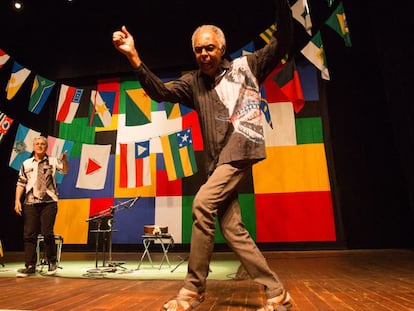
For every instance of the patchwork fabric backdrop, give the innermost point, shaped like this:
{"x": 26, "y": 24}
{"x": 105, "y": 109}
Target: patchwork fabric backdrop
{"x": 123, "y": 145}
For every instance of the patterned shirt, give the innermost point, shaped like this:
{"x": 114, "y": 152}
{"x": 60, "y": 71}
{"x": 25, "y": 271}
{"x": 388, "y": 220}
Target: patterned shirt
{"x": 228, "y": 106}
{"x": 28, "y": 176}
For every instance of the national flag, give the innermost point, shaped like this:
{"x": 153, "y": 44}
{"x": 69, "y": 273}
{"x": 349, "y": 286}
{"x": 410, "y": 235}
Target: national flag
{"x": 93, "y": 166}
{"x": 315, "y": 53}
{"x": 179, "y": 157}
{"x": 137, "y": 107}
{"x": 174, "y": 110}
{"x": 264, "y": 107}
{"x": 41, "y": 90}
{"x": 135, "y": 164}
{"x": 23, "y": 146}
{"x": 300, "y": 12}
{"x": 5, "y": 124}
{"x": 287, "y": 79}
{"x": 283, "y": 85}
{"x": 245, "y": 50}
{"x": 268, "y": 33}
{"x": 18, "y": 75}
{"x": 337, "y": 21}
{"x": 68, "y": 103}
{"x": 56, "y": 147}
{"x": 4, "y": 57}
{"x": 101, "y": 108}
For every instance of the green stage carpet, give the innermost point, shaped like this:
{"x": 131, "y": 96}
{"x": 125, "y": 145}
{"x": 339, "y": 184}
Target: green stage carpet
{"x": 220, "y": 270}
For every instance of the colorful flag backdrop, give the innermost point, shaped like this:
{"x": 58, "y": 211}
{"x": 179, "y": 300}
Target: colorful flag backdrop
{"x": 122, "y": 144}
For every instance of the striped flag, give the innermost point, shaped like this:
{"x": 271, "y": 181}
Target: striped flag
{"x": 5, "y": 124}
{"x": 267, "y": 34}
{"x": 135, "y": 164}
{"x": 4, "y": 57}
{"x": 68, "y": 104}
{"x": 18, "y": 75}
{"x": 41, "y": 90}
{"x": 179, "y": 154}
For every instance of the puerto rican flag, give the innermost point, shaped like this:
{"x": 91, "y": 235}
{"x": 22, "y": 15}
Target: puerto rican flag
{"x": 135, "y": 169}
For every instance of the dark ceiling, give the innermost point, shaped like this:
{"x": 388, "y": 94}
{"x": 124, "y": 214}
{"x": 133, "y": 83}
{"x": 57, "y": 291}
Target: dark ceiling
{"x": 62, "y": 39}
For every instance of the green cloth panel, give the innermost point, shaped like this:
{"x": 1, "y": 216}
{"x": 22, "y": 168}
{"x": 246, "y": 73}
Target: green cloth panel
{"x": 309, "y": 130}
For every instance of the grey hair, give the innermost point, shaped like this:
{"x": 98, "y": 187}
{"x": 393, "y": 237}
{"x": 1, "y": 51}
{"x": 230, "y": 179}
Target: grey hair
{"x": 40, "y": 138}
{"x": 220, "y": 34}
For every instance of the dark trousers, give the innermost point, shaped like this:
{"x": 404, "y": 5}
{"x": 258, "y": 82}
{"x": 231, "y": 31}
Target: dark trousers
{"x": 217, "y": 199}
{"x": 39, "y": 218}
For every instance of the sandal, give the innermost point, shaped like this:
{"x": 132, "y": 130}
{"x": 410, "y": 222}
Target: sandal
{"x": 185, "y": 301}
{"x": 278, "y": 303}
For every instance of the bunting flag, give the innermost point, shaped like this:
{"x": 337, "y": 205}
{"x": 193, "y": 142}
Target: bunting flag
{"x": 4, "y": 57}
{"x": 101, "y": 108}
{"x": 264, "y": 107}
{"x": 5, "y": 124}
{"x": 287, "y": 79}
{"x": 135, "y": 170}
{"x": 337, "y": 21}
{"x": 56, "y": 147}
{"x": 267, "y": 34}
{"x": 245, "y": 50}
{"x": 68, "y": 103}
{"x": 41, "y": 90}
{"x": 18, "y": 75}
{"x": 93, "y": 166}
{"x": 137, "y": 107}
{"x": 174, "y": 111}
{"x": 23, "y": 146}
{"x": 179, "y": 157}
{"x": 283, "y": 85}
{"x": 315, "y": 53}
{"x": 300, "y": 12}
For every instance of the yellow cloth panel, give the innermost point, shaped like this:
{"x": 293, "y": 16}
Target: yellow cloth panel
{"x": 71, "y": 221}
{"x": 146, "y": 191}
{"x": 298, "y": 168}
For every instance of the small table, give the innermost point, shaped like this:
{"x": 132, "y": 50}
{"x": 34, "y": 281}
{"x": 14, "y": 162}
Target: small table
{"x": 166, "y": 241}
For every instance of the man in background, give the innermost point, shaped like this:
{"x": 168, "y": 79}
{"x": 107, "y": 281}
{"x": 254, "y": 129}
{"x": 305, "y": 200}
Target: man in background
{"x": 37, "y": 183}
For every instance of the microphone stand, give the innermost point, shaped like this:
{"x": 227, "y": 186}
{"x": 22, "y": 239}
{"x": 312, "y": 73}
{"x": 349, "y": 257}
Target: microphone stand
{"x": 110, "y": 212}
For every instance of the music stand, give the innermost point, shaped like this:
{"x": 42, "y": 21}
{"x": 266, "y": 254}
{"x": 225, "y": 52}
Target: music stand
{"x": 98, "y": 218}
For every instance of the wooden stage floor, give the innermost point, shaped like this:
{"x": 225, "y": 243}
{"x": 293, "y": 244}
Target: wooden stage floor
{"x": 317, "y": 281}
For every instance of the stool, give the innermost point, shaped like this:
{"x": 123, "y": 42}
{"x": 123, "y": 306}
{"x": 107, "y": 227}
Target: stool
{"x": 166, "y": 241}
{"x": 59, "y": 244}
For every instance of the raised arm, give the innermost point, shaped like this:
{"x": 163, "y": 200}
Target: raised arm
{"x": 124, "y": 42}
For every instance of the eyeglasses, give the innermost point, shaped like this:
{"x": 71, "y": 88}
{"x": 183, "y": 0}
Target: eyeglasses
{"x": 208, "y": 48}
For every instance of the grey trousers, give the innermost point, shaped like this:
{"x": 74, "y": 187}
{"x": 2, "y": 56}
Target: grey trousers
{"x": 218, "y": 197}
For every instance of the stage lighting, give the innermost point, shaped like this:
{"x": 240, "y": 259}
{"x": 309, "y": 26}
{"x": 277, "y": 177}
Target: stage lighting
{"x": 17, "y": 5}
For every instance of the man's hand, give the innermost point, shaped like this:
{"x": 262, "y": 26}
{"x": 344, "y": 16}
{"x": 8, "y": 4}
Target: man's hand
{"x": 123, "y": 41}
